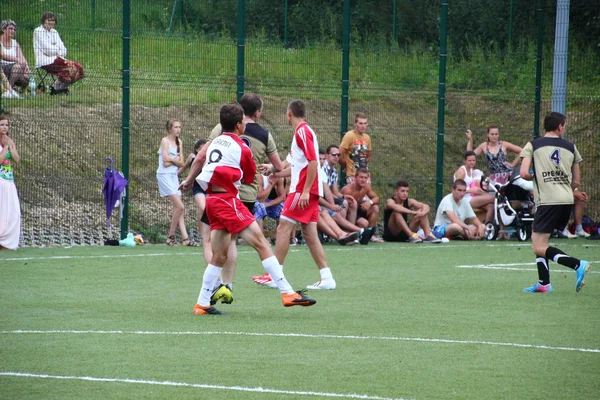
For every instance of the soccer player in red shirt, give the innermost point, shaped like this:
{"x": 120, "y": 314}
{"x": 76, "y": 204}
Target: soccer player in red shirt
{"x": 228, "y": 163}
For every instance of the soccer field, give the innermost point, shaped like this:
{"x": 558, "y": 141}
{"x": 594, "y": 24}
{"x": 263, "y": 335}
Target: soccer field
{"x": 448, "y": 321}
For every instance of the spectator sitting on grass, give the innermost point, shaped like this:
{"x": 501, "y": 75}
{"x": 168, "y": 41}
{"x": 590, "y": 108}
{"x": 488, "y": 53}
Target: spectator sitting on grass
{"x": 455, "y": 218}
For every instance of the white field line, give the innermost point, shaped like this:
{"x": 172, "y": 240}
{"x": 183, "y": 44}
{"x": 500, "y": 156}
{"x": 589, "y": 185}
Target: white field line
{"x": 201, "y": 386}
{"x": 513, "y": 267}
{"x": 425, "y": 247}
{"x": 305, "y": 335}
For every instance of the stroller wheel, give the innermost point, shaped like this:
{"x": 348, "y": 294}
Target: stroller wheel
{"x": 491, "y": 231}
{"x": 524, "y": 233}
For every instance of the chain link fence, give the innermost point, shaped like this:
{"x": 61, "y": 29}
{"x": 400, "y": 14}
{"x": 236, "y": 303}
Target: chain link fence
{"x": 185, "y": 63}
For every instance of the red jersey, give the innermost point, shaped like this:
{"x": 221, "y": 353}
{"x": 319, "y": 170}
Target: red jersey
{"x": 228, "y": 164}
{"x": 304, "y": 149}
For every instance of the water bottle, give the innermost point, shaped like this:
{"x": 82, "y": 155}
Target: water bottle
{"x": 32, "y": 85}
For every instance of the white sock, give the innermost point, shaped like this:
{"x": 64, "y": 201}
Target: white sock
{"x": 272, "y": 266}
{"x": 326, "y": 273}
{"x": 211, "y": 275}
{"x": 579, "y": 228}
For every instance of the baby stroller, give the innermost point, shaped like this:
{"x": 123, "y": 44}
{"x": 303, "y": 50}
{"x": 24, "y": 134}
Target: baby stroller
{"x": 508, "y": 199}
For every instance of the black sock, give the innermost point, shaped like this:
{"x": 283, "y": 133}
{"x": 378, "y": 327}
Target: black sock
{"x": 562, "y": 258}
{"x": 543, "y": 270}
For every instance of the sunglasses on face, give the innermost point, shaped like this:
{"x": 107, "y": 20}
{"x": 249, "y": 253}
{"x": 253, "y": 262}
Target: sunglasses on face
{"x": 334, "y": 154}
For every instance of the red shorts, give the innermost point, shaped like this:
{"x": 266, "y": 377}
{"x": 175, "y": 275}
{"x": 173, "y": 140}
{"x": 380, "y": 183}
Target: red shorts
{"x": 309, "y": 214}
{"x": 227, "y": 213}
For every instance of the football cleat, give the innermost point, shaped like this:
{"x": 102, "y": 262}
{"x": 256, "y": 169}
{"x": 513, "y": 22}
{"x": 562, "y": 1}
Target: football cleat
{"x": 366, "y": 235}
{"x": 201, "y": 310}
{"x": 582, "y": 234}
{"x": 328, "y": 284}
{"x": 223, "y": 293}
{"x": 584, "y": 266}
{"x": 296, "y": 299}
{"x": 262, "y": 279}
{"x": 539, "y": 288}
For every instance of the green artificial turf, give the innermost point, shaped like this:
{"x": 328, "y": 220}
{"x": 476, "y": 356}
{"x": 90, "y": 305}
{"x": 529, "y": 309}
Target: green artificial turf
{"x": 406, "y": 321}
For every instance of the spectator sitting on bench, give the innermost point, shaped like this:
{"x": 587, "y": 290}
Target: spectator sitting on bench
{"x": 50, "y": 53}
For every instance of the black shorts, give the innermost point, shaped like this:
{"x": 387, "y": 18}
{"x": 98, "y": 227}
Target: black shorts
{"x": 390, "y": 237}
{"x": 360, "y": 213}
{"x": 339, "y": 201}
{"x": 549, "y": 218}
{"x": 197, "y": 189}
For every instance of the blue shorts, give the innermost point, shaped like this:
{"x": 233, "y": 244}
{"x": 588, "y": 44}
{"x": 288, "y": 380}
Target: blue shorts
{"x": 439, "y": 231}
{"x": 261, "y": 211}
{"x": 197, "y": 189}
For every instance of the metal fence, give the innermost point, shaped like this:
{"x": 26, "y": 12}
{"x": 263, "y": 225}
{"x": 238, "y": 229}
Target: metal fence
{"x": 177, "y": 70}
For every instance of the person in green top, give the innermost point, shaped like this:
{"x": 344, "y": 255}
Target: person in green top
{"x": 553, "y": 164}
{"x": 10, "y": 208}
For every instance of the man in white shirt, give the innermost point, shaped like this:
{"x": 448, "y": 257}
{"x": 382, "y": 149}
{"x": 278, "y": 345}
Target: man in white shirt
{"x": 455, "y": 218}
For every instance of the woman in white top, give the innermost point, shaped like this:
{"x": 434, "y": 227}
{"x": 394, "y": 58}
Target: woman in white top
{"x": 475, "y": 195}
{"x": 14, "y": 64}
{"x": 170, "y": 159}
{"x": 51, "y": 53}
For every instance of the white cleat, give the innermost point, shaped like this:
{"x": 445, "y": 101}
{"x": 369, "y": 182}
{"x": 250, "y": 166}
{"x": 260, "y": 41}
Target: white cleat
{"x": 582, "y": 233}
{"x": 328, "y": 284}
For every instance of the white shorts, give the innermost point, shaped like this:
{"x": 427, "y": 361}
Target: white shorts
{"x": 168, "y": 184}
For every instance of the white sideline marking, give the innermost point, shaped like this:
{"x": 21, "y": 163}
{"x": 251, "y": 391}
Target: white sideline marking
{"x": 307, "y": 335}
{"x": 512, "y": 267}
{"x": 426, "y": 247}
{"x": 200, "y": 385}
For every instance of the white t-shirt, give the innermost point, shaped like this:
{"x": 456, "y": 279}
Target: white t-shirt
{"x": 463, "y": 211}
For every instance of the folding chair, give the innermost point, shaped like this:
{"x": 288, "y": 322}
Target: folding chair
{"x": 42, "y": 76}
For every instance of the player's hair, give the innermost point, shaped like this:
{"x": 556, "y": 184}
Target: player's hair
{"x": 297, "y": 108}
{"x": 47, "y": 15}
{"x": 401, "y": 183}
{"x": 251, "y": 103}
{"x": 198, "y": 145}
{"x": 332, "y": 146}
{"x": 553, "y": 120}
{"x": 469, "y": 153}
{"x": 459, "y": 182}
{"x": 169, "y": 126}
{"x": 230, "y": 115}
{"x": 359, "y": 116}
{"x": 362, "y": 170}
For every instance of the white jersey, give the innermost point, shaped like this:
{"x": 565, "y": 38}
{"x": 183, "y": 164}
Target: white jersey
{"x": 304, "y": 149}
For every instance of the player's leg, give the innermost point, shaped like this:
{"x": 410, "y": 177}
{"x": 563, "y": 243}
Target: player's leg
{"x": 309, "y": 232}
{"x": 220, "y": 243}
{"x": 252, "y": 235}
{"x": 282, "y": 242}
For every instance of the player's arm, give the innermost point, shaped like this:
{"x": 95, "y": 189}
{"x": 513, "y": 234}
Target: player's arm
{"x": 390, "y": 204}
{"x": 373, "y": 196}
{"x": 189, "y": 160}
{"x": 576, "y": 176}
{"x": 525, "y": 170}
{"x": 420, "y": 208}
{"x": 195, "y": 168}
{"x": 455, "y": 220}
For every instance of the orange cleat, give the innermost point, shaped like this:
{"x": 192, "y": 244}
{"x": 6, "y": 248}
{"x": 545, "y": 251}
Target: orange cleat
{"x": 201, "y": 310}
{"x": 296, "y": 299}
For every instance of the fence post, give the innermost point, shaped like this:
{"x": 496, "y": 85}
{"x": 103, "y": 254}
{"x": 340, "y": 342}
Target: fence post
{"x": 538, "y": 69}
{"x": 285, "y": 24}
{"x": 345, "y": 76}
{"x": 561, "y": 53}
{"x": 394, "y": 20}
{"x": 510, "y": 23}
{"x": 93, "y": 14}
{"x": 241, "y": 48}
{"x": 125, "y": 128}
{"x": 441, "y": 104}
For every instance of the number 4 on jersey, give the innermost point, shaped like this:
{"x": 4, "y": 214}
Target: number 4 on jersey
{"x": 555, "y": 156}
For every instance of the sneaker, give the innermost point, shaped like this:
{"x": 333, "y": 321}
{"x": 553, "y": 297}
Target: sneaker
{"x": 296, "y": 299}
{"x": 431, "y": 239}
{"x": 582, "y": 233}
{"x": 201, "y": 310}
{"x": 348, "y": 240}
{"x": 414, "y": 238}
{"x": 366, "y": 235}
{"x": 262, "y": 279}
{"x": 584, "y": 266}
{"x": 223, "y": 293}
{"x": 539, "y": 288}
{"x": 328, "y": 284}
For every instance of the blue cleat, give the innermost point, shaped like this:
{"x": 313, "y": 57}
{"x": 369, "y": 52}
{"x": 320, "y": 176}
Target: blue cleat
{"x": 539, "y": 288}
{"x": 584, "y": 267}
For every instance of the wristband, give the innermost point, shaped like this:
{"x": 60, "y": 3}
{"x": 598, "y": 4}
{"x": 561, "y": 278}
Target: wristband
{"x": 371, "y": 201}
